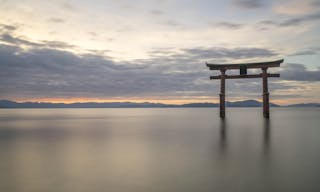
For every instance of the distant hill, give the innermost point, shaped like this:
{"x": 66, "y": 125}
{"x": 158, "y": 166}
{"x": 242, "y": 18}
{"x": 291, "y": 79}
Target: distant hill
{"x": 248, "y": 103}
{"x": 245, "y": 103}
{"x": 12, "y": 104}
{"x": 304, "y": 105}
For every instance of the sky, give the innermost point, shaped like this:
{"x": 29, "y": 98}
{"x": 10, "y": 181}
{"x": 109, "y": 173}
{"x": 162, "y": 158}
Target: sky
{"x": 155, "y": 50}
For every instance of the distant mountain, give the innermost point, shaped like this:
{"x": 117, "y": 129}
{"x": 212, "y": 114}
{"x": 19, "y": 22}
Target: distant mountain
{"x": 245, "y": 103}
{"x": 199, "y": 105}
{"x": 248, "y": 103}
{"x": 12, "y": 104}
{"x": 304, "y": 105}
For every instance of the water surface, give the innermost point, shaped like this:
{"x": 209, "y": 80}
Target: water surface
{"x": 159, "y": 150}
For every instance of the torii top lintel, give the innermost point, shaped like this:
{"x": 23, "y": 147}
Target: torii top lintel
{"x": 248, "y": 65}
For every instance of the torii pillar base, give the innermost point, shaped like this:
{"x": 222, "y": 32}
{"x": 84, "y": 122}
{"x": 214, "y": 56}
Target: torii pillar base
{"x": 222, "y": 106}
{"x": 266, "y": 105}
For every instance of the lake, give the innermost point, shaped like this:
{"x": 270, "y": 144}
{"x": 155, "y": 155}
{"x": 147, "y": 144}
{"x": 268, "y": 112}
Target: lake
{"x": 159, "y": 150}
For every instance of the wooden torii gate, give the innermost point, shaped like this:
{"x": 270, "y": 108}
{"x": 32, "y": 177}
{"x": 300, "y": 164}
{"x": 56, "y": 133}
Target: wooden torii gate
{"x": 243, "y": 74}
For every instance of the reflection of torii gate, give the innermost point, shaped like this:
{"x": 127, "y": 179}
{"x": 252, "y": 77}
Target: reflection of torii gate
{"x": 243, "y": 74}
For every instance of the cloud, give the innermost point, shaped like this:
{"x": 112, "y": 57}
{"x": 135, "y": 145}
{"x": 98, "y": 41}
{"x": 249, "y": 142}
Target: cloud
{"x": 224, "y": 53}
{"x": 48, "y": 72}
{"x": 56, "y": 73}
{"x": 293, "y": 21}
{"x": 300, "y": 20}
{"x": 156, "y": 12}
{"x": 298, "y": 72}
{"x": 315, "y": 3}
{"x": 68, "y": 7}
{"x": 56, "y": 20}
{"x": 172, "y": 23}
{"x": 249, "y": 4}
{"x": 8, "y": 28}
{"x": 93, "y": 34}
{"x": 45, "y": 71}
{"x": 18, "y": 41}
{"x": 296, "y": 7}
{"x": 228, "y": 25}
{"x": 307, "y": 51}
{"x": 56, "y": 44}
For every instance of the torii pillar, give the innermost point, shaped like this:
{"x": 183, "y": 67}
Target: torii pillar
{"x": 222, "y": 93}
{"x": 265, "y": 92}
{"x": 243, "y": 74}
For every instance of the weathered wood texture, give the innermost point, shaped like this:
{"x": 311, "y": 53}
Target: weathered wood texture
{"x": 265, "y": 93}
{"x": 222, "y": 94}
{"x": 244, "y": 76}
{"x": 248, "y": 65}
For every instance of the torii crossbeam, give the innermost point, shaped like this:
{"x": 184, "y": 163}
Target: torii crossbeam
{"x": 243, "y": 74}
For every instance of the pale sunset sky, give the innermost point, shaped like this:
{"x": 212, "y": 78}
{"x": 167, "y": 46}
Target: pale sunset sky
{"x": 155, "y": 50}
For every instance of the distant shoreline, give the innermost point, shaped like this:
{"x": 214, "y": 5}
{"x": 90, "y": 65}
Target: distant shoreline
{"x": 7, "y": 104}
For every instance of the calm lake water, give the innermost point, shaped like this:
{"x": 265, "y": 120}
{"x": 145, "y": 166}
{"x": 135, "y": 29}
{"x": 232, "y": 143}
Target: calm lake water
{"x": 159, "y": 150}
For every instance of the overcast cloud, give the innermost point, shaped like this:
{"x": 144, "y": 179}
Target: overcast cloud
{"x": 45, "y": 71}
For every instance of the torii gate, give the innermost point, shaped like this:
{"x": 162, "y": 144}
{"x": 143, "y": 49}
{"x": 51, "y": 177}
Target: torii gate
{"x": 243, "y": 74}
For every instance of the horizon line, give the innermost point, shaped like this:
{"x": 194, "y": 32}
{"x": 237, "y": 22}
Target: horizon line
{"x": 150, "y": 102}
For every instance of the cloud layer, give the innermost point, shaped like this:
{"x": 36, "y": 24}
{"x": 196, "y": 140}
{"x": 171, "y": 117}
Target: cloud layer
{"x": 46, "y": 70}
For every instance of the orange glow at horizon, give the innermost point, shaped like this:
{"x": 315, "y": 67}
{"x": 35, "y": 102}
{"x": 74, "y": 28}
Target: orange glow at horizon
{"x": 156, "y": 100}
{"x": 135, "y": 100}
